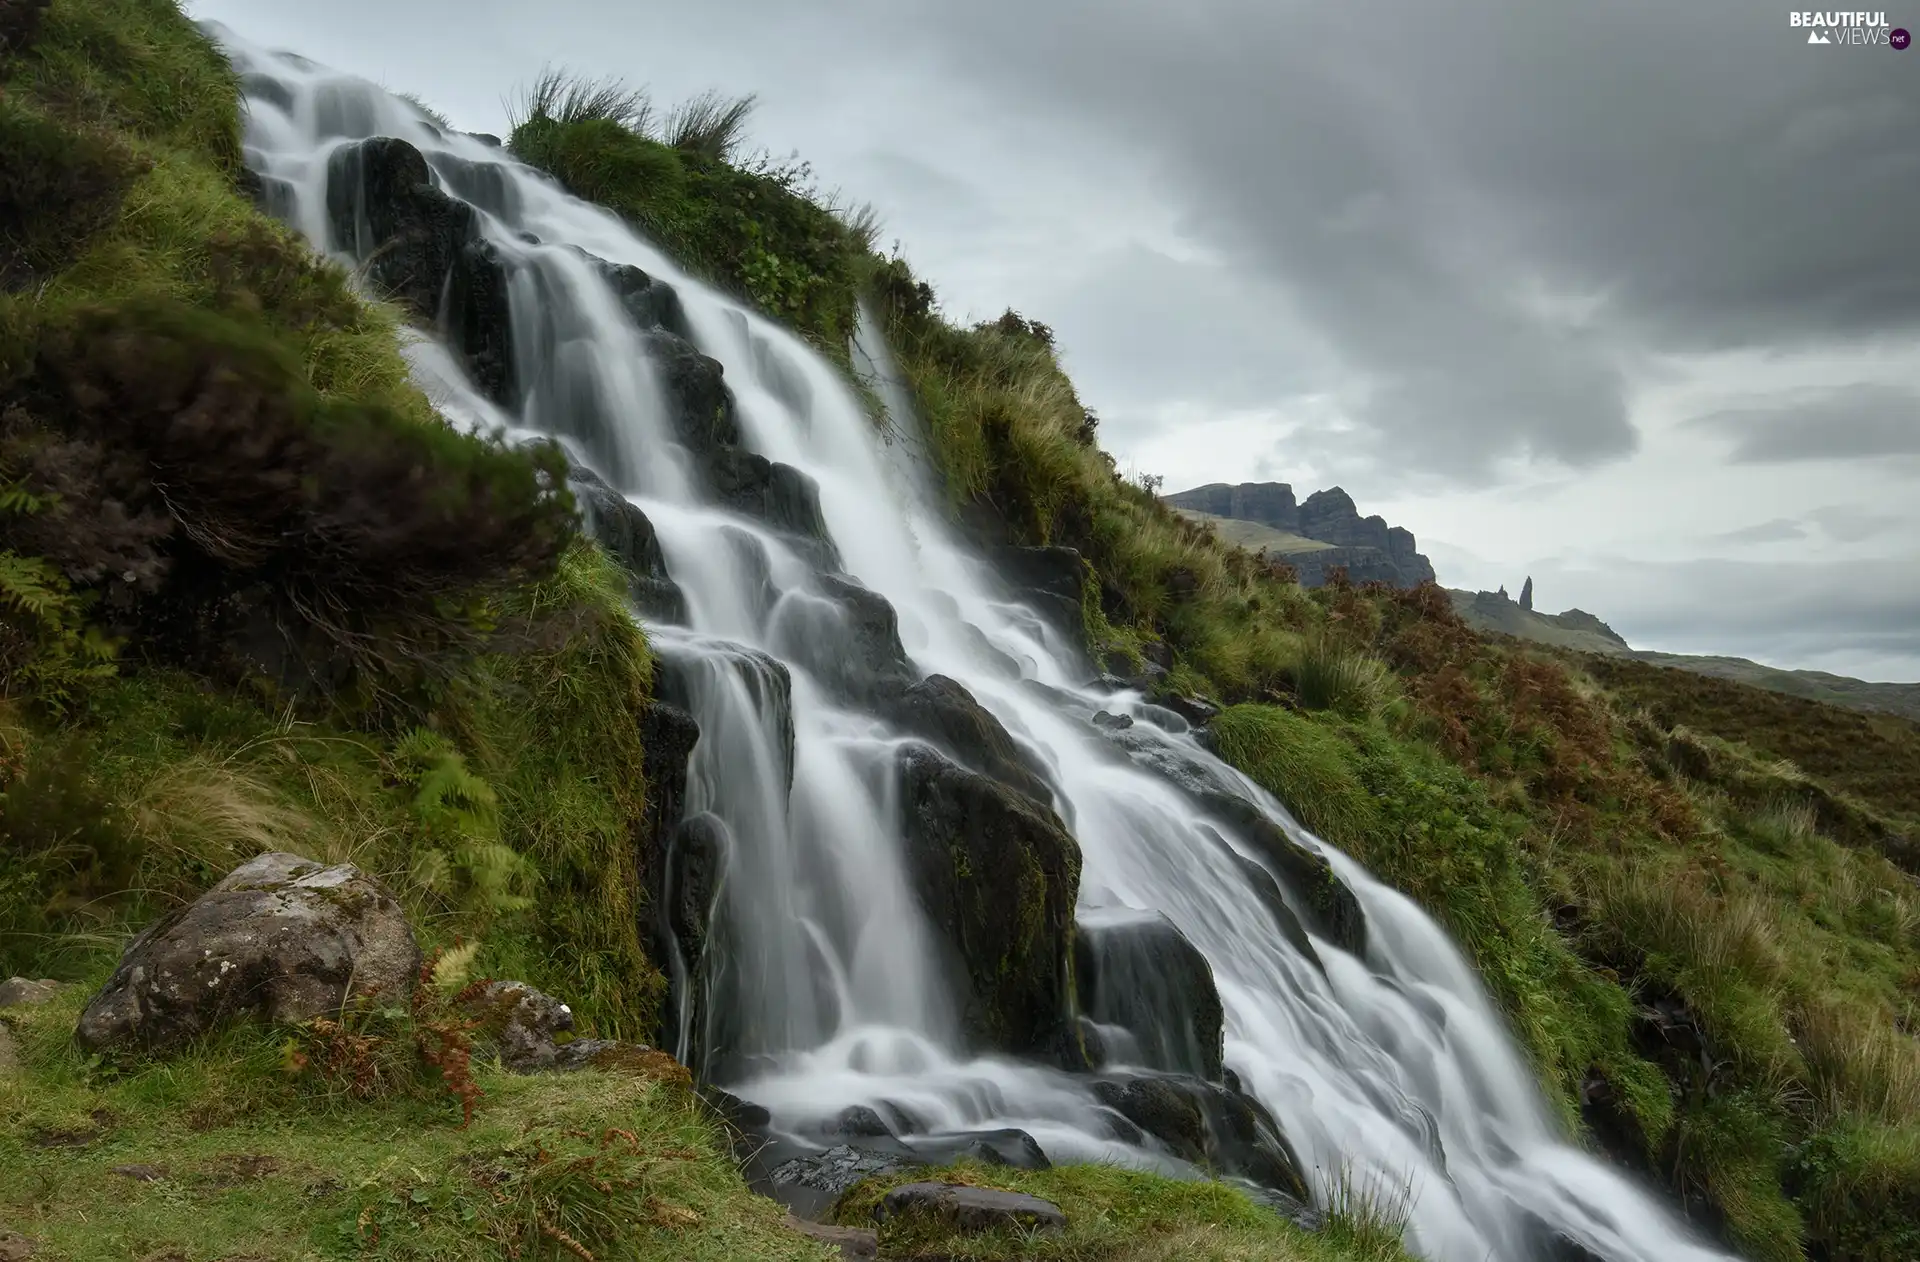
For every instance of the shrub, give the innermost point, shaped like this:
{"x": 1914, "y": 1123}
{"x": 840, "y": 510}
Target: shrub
{"x": 203, "y": 487}
{"x": 58, "y": 186}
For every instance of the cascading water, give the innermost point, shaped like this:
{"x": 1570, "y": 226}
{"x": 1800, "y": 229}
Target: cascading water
{"x": 822, "y": 985}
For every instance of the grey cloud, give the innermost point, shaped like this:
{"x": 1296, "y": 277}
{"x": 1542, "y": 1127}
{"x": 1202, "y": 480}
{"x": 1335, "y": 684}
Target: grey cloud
{"x": 1860, "y": 615}
{"x": 1850, "y": 523}
{"x": 1671, "y": 177}
{"x": 1849, "y": 423}
{"x": 1775, "y": 531}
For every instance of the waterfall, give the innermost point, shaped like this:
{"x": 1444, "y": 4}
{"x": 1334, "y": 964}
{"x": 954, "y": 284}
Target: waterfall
{"x": 824, "y": 985}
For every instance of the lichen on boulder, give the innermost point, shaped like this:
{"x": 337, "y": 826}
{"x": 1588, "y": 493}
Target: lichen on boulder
{"x": 281, "y": 939}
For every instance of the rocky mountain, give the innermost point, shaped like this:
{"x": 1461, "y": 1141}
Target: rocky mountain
{"x": 1324, "y": 531}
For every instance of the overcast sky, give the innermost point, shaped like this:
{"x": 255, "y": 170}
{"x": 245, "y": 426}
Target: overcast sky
{"x": 1623, "y": 296}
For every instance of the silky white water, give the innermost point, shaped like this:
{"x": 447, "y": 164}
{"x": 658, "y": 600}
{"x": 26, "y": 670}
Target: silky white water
{"x": 1390, "y": 1073}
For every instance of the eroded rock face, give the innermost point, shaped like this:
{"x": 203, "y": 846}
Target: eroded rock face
{"x": 426, "y": 250}
{"x": 944, "y": 712}
{"x": 280, "y": 939}
{"x": 629, "y": 538}
{"x": 1052, "y": 580}
{"x": 1139, "y": 973}
{"x": 997, "y": 876}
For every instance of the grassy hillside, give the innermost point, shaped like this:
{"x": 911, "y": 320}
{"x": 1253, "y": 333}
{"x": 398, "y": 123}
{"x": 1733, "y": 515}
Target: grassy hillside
{"x": 1709, "y": 957}
{"x": 1583, "y": 633}
{"x": 1704, "y": 948}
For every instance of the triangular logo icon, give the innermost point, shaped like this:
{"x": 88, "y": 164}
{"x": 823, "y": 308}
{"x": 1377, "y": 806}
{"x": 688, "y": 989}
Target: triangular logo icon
{"x": 1816, "y": 37}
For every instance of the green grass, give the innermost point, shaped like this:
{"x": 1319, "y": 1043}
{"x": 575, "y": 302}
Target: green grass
{"x": 1120, "y": 1215}
{"x": 256, "y": 1161}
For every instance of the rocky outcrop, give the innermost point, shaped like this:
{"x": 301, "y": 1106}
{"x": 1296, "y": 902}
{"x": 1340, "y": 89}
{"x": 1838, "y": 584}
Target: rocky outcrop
{"x": 282, "y": 938}
{"x": 997, "y": 876}
{"x": 1138, "y": 974}
{"x": 1269, "y": 503}
{"x": 425, "y": 249}
{"x": 1367, "y": 548}
{"x": 941, "y": 710}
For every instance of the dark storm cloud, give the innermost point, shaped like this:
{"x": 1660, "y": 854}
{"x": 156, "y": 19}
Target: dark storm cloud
{"x": 1493, "y": 208}
{"x": 1855, "y": 421}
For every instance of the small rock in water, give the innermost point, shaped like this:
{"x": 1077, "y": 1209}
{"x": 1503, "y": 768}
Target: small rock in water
{"x": 970, "y": 1209}
{"x": 1117, "y": 722}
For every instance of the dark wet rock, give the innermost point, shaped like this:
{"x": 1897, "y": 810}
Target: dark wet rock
{"x": 811, "y": 1182}
{"x": 1332, "y": 910}
{"x": 624, "y": 531}
{"x": 969, "y": 1209}
{"x": 426, "y": 250}
{"x": 668, "y": 734}
{"x": 766, "y": 490}
{"x": 486, "y": 138}
{"x": 1549, "y": 1244}
{"x": 280, "y": 939}
{"x": 859, "y": 1122}
{"x": 1115, "y": 722}
{"x": 848, "y": 637}
{"x": 1196, "y": 710}
{"x": 1162, "y": 1108}
{"x": 1008, "y": 1146}
{"x": 1140, "y": 973}
{"x": 1209, "y": 1124}
{"x": 852, "y": 1242}
{"x": 731, "y": 1110}
{"x": 487, "y": 185}
{"x": 1052, "y": 580}
{"x": 267, "y": 90}
{"x": 1275, "y": 902}
{"x": 1164, "y": 719}
{"x": 652, "y": 302}
{"x": 1612, "y": 1123}
{"x": 943, "y": 711}
{"x": 703, "y": 410}
{"x": 997, "y": 875}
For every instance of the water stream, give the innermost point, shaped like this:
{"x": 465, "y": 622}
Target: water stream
{"x": 1388, "y": 1071}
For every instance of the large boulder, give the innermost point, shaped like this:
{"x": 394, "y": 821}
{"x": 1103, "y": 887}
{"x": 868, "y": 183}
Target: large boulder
{"x": 777, "y": 494}
{"x": 847, "y": 636}
{"x": 425, "y": 249}
{"x": 282, "y": 938}
{"x": 944, "y": 712}
{"x": 1139, "y": 973}
{"x": 997, "y": 875}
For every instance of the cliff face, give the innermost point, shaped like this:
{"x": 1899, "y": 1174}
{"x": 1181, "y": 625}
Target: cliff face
{"x": 1371, "y": 550}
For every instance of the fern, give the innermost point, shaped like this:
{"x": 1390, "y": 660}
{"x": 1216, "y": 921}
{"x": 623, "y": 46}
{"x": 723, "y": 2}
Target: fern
{"x": 48, "y": 653}
{"x": 459, "y": 814}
